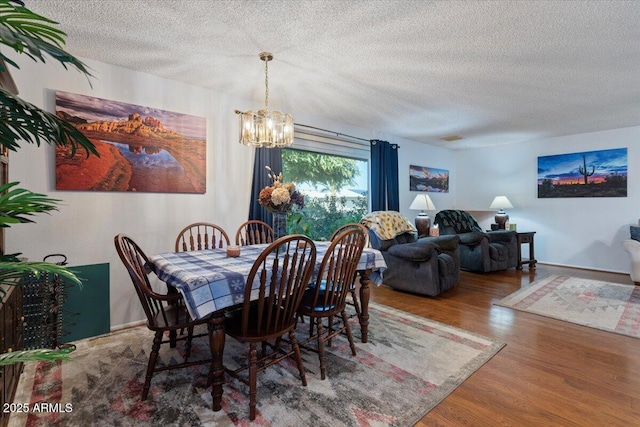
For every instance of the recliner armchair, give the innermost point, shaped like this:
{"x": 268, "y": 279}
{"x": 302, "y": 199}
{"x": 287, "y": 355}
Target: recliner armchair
{"x": 426, "y": 266}
{"x": 479, "y": 251}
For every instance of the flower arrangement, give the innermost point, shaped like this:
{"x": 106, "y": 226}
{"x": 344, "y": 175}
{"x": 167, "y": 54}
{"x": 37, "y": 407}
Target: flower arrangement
{"x": 280, "y": 196}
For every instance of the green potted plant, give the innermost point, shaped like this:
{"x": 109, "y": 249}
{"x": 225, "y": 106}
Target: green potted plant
{"x": 33, "y": 35}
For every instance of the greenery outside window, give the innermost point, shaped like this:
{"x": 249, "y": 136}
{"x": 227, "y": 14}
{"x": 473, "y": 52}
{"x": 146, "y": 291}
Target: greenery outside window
{"x": 335, "y": 181}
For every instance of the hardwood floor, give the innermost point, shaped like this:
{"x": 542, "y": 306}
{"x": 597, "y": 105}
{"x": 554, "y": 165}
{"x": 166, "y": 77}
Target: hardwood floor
{"x": 551, "y": 373}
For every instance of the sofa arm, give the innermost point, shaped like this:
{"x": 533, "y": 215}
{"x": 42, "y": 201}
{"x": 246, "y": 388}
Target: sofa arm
{"x": 417, "y": 251}
{"x": 501, "y": 236}
{"x": 472, "y": 238}
{"x": 448, "y": 242}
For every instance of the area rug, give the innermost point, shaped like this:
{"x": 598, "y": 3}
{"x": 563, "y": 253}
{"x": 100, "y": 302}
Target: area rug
{"x": 608, "y": 306}
{"x": 409, "y": 365}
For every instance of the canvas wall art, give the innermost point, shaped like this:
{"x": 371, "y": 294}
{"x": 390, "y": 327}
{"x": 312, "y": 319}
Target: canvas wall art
{"x": 600, "y": 173}
{"x": 141, "y": 149}
{"x": 427, "y": 179}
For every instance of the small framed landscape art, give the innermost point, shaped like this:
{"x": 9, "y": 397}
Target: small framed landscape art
{"x": 141, "y": 149}
{"x": 427, "y": 179}
{"x": 600, "y": 173}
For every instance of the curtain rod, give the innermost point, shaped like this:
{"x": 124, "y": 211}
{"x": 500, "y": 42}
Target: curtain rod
{"x": 330, "y": 131}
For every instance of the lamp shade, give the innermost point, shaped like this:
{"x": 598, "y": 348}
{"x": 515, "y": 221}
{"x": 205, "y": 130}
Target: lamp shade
{"x": 422, "y": 202}
{"x": 501, "y": 202}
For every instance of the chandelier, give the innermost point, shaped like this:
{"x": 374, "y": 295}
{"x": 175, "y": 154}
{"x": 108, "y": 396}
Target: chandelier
{"x": 264, "y": 128}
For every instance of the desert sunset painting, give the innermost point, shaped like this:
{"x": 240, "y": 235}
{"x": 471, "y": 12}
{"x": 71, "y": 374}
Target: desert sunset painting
{"x": 600, "y": 173}
{"x": 142, "y": 149}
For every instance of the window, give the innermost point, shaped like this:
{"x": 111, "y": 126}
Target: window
{"x": 333, "y": 175}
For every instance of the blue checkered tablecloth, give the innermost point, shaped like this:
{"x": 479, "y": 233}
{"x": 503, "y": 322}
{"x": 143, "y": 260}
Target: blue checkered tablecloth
{"x": 211, "y": 281}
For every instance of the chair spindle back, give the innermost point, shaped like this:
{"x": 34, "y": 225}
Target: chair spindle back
{"x": 200, "y": 236}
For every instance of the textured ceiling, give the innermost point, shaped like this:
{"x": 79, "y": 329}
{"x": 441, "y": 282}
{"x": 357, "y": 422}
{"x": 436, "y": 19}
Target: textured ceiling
{"x": 493, "y": 72}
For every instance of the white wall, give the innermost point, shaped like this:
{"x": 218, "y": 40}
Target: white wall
{"x": 581, "y": 232}
{"x": 84, "y": 227}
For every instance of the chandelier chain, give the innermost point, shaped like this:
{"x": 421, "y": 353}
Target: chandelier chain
{"x": 266, "y": 85}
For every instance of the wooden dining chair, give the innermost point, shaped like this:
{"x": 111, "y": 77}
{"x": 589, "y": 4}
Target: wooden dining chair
{"x": 352, "y": 289}
{"x": 201, "y": 235}
{"x": 278, "y": 277}
{"x": 254, "y": 232}
{"x": 326, "y": 298}
{"x": 349, "y": 226}
{"x": 166, "y": 313}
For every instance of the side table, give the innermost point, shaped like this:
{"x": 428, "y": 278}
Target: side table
{"x": 526, "y": 237}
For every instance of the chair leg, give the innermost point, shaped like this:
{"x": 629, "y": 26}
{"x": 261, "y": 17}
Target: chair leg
{"x": 356, "y": 303}
{"x": 312, "y": 321}
{"x": 188, "y": 344}
{"x": 347, "y": 329}
{"x": 296, "y": 350}
{"x": 253, "y": 379}
{"x": 330, "y": 320}
{"x": 153, "y": 357}
{"x": 321, "y": 356}
{"x": 173, "y": 335}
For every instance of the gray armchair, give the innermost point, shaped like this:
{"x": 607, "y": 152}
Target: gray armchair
{"x": 479, "y": 251}
{"x": 426, "y": 266}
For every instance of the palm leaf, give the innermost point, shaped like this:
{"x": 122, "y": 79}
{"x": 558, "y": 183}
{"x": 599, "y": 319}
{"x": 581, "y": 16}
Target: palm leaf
{"x": 18, "y": 204}
{"x": 12, "y": 273}
{"x": 45, "y": 355}
{"x": 22, "y": 121}
{"x": 27, "y": 32}
{"x": 33, "y": 35}
{"x": 37, "y": 37}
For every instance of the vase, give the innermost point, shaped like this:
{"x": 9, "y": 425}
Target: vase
{"x": 279, "y": 224}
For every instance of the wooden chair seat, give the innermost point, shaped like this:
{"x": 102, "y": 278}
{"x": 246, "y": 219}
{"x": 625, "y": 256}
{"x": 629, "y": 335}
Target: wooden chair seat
{"x": 172, "y": 317}
{"x": 254, "y": 333}
{"x": 310, "y": 301}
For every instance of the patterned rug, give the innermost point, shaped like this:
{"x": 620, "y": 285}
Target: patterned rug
{"x": 409, "y": 365}
{"x": 608, "y": 306}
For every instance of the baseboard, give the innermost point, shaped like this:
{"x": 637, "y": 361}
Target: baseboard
{"x": 127, "y": 325}
{"x": 584, "y": 268}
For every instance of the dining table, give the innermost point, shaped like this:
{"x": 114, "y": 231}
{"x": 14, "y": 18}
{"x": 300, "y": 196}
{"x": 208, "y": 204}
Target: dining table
{"x": 211, "y": 283}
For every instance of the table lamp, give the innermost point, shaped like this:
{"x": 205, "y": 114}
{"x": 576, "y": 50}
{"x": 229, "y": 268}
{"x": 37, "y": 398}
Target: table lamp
{"x": 501, "y": 202}
{"x": 423, "y": 202}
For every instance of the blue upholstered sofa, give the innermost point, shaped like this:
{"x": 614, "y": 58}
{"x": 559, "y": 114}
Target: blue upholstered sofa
{"x": 426, "y": 266}
{"x": 479, "y": 251}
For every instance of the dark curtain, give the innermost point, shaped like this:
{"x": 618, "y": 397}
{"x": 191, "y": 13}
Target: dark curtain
{"x": 384, "y": 176}
{"x": 264, "y": 157}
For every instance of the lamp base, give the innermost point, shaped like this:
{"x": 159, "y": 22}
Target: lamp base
{"x": 501, "y": 220}
{"x": 423, "y": 223}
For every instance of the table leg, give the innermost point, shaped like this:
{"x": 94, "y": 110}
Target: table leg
{"x": 216, "y": 343}
{"x": 519, "y": 266}
{"x": 532, "y": 256}
{"x": 364, "y": 303}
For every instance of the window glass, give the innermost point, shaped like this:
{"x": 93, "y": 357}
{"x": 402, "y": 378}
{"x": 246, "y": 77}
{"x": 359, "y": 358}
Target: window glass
{"x": 335, "y": 187}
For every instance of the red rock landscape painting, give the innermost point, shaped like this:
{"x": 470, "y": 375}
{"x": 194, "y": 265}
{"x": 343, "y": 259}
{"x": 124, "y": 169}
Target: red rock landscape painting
{"x": 141, "y": 149}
